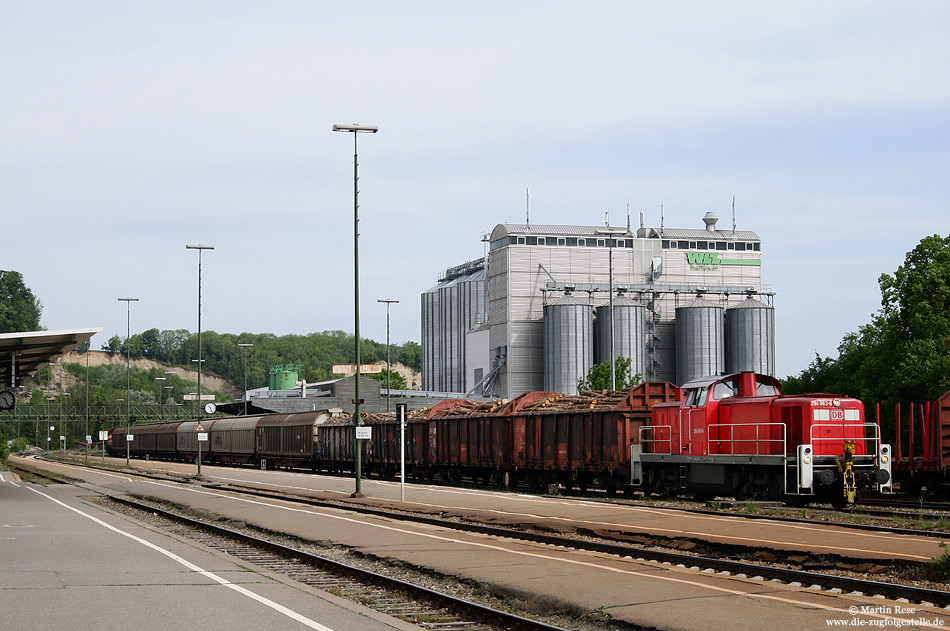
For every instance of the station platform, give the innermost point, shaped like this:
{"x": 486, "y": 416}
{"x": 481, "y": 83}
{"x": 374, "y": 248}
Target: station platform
{"x": 537, "y": 578}
{"x": 67, "y": 563}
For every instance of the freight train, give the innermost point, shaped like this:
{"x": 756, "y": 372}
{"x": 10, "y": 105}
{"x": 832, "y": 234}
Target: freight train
{"x": 732, "y": 435}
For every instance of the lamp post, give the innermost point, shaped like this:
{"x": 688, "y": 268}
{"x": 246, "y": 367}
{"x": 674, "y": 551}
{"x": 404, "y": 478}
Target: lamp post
{"x": 199, "y": 247}
{"x": 168, "y": 387}
{"x": 389, "y": 369}
{"x": 86, "y": 426}
{"x": 245, "y": 347}
{"x": 62, "y": 423}
{"x": 611, "y": 233}
{"x": 356, "y": 130}
{"x": 128, "y": 372}
{"x": 159, "y": 400}
{"x": 49, "y": 389}
{"x": 169, "y": 398}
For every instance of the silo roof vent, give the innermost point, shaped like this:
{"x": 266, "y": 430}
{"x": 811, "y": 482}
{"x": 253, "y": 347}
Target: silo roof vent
{"x": 711, "y": 220}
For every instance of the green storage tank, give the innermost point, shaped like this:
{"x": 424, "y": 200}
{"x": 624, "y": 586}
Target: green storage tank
{"x": 284, "y": 376}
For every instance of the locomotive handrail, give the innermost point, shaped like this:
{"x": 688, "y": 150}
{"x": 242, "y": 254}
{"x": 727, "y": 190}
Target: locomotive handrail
{"x": 644, "y": 440}
{"x": 757, "y": 440}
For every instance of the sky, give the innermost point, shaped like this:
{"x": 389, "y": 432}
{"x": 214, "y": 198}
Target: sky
{"x": 131, "y": 129}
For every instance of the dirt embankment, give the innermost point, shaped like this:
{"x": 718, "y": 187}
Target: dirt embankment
{"x": 212, "y": 382}
{"x": 99, "y": 358}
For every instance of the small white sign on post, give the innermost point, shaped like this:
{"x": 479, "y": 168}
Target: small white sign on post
{"x": 202, "y": 437}
{"x": 364, "y": 432}
{"x": 129, "y": 438}
{"x": 88, "y": 439}
{"x": 103, "y": 434}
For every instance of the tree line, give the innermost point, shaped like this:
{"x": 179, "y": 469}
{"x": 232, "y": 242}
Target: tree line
{"x": 903, "y": 353}
{"x": 221, "y": 355}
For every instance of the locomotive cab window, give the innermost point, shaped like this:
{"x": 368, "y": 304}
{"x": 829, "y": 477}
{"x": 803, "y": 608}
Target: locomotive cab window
{"x": 724, "y": 390}
{"x": 697, "y": 398}
{"x": 765, "y": 390}
{"x": 689, "y": 398}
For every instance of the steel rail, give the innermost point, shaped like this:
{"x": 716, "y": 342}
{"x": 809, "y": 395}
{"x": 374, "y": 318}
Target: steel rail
{"x": 735, "y": 568}
{"x": 483, "y": 613}
{"x": 825, "y": 581}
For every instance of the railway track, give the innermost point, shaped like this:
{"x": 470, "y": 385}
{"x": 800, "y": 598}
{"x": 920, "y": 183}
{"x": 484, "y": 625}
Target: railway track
{"x": 899, "y": 510}
{"x": 808, "y": 579}
{"x": 785, "y": 514}
{"x": 906, "y": 504}
{"x": 427, "y": 608}
{"x": 419, "y": 605}
{"x": 741, "y": 569}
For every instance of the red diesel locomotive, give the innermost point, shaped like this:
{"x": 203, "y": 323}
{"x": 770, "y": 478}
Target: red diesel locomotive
{"x": 737, "y": 436}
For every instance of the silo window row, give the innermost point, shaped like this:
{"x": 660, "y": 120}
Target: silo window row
{"x": 711, "y": 245}
{"x": 571, "y": 242}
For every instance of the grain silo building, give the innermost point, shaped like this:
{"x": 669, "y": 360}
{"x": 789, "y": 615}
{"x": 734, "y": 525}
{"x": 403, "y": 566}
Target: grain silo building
{"x": 491, "y": 337}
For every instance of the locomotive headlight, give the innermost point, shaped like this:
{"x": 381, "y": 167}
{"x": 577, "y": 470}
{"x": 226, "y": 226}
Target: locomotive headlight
{"x": 807, "y": 459}
{"x": 884, "y": 459}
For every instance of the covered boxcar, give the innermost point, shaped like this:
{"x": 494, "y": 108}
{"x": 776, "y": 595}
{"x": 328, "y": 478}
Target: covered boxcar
{"x": 287, "y": 440}
{"x": 231, "y": 440}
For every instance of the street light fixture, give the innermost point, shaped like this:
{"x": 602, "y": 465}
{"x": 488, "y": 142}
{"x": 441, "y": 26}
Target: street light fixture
{"x": 199, "y": 247}
{"x": 611, "y": 233}
{"x": 245, "y": 347}
{"x": 356, "y": 130}
{"x": 128, "y": 372}
{"x": 389, "y": 369}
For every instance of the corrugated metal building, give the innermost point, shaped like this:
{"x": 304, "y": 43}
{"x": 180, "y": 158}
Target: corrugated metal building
{"x": 531, "y": 267}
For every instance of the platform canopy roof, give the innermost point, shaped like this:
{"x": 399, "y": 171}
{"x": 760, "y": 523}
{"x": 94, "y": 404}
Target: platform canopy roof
{"x": 27, "y": 353}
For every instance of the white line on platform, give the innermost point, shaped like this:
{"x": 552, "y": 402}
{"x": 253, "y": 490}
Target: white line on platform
{"x": 191, "y": 566}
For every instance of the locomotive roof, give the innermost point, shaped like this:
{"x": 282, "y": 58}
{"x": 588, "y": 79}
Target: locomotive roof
{"x": 703, "y": 382}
